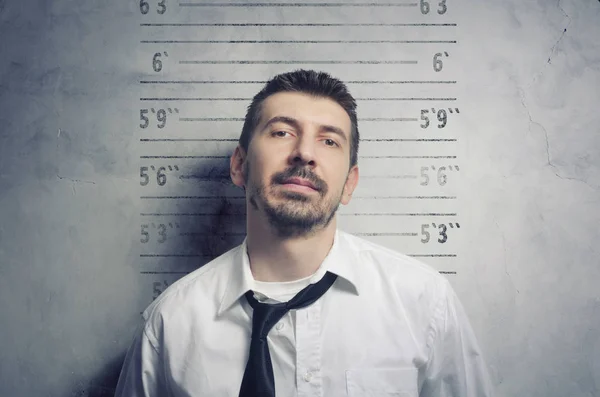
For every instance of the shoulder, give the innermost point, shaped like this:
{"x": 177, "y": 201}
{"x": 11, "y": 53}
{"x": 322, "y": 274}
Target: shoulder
{"x": 392, "y": 260}
{"x": 408, "y": 276}
{"x": 200, "y": 287}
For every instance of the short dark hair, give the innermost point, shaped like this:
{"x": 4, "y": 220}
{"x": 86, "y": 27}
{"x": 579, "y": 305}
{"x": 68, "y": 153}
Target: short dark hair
{"x": 318, "y": 84}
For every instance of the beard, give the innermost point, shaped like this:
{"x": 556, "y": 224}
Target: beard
{"x": 292, "y": 214}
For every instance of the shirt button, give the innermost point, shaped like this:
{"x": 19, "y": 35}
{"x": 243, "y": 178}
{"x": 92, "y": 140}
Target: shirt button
{"x": 308, "y": 376}
{"x": 279, "y": 326}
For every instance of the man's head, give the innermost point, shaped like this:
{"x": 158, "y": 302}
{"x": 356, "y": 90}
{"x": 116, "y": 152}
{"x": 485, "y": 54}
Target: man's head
{"x": 302, "y": 125}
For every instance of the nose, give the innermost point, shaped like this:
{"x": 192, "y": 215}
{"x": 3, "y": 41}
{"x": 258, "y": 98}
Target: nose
{"x": 303, "y": 152}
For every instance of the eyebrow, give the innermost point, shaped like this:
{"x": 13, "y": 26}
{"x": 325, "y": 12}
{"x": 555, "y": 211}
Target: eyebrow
{"x": 294, "y": 123}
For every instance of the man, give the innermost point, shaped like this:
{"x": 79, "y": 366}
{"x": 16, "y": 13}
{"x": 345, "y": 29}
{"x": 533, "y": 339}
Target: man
{"x": 302, "y": 308}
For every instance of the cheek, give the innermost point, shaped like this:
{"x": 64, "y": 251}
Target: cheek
{"x": 335, "y": 185}
{"x": 257, "y": 171}
{"x": 267, "y": 162}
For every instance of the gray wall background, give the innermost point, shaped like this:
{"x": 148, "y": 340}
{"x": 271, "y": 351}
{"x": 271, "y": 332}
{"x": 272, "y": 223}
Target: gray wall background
{"x": 72, "y": 281}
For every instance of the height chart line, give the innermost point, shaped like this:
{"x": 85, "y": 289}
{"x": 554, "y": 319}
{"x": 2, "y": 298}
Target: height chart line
{"x": 341, "y": 214}
{"x": 153, "y": 272}
{"x": 264, "y": 81}
{"x": 249, "y": 99}
{"x": 220, "y": 197}
{"x": 286, "y": 62}
{"x": 298, "y": 42}
{"x": 236, "y": 140}
{"x": 227, "y": 157}
{"x": 290, "y": 4}
{"x": 186, "y": 119}
{"x": 296, "y": 24}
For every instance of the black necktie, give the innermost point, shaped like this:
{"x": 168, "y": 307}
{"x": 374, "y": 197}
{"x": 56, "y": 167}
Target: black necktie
{"x": 258, "y": 378}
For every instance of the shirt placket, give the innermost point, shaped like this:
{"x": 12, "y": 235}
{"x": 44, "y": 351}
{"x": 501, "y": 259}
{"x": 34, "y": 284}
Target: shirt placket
{"x": 308, "y": 351}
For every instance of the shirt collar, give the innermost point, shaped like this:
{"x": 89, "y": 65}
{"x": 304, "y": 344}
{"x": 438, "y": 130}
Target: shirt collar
{"x": 340, "y": 260}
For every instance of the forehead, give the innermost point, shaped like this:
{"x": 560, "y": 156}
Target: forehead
{"x": 306, "y": 109}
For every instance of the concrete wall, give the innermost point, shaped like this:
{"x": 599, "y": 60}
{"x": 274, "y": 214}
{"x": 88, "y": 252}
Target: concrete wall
{"x": 87, "y": 241}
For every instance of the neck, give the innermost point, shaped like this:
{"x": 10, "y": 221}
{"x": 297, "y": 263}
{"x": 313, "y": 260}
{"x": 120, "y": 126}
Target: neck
{"x": 277, "y": 259}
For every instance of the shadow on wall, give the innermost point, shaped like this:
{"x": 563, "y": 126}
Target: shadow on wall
{"x": 210, "y": 228}
{"x": 105, "y": 382}
{"x": 221, "y": 222}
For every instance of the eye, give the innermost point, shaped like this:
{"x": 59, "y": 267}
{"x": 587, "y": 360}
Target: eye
{"x": 331, "y": 142}
{"x": 279, "y": 133}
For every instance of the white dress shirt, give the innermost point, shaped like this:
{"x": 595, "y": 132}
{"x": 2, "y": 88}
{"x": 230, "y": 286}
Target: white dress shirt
{"x": 389, "y": 326}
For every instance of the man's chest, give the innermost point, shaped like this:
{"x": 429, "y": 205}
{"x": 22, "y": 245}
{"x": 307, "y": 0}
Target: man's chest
{"x": 315, "y": 351}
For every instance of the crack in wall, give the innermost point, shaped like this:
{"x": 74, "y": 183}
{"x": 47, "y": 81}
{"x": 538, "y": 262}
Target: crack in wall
{"x": 555, "y": 168}
{"x": 73, "y": 181}
{"x": 504, "y": 257}
{"x": 522, "y": 95}
{"x": 563, "y": 33}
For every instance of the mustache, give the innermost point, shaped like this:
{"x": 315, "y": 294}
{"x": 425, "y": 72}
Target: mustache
{"x": 297, "y": 172}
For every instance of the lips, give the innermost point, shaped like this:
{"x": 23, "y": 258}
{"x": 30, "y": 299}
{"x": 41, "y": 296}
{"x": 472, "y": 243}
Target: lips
{"x": 300, "y": 181}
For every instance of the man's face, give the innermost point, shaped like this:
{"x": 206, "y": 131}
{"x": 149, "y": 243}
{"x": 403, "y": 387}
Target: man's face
{"x": 303, "y": 137}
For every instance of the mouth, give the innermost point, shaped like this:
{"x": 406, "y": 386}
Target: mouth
{"x": 299, "y": 183}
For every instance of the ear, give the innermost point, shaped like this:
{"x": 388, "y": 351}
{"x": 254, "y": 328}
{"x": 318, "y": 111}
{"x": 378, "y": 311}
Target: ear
{"x": 351, "y": 182}
{"x": 236, "y": 166}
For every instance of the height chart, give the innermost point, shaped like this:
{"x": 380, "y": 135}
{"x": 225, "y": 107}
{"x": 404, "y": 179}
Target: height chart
{"x": 202, "y": 62}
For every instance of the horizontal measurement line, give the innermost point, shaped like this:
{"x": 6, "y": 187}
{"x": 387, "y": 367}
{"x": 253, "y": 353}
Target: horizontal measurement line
{"x": 218, "y": 178}
{"x": 386, "y": 234}
{"x": 389, "y": 119}
{"x": 409, "y": 140}
{"x": 264, "y": 82}
{"x": 210, "y": 234}
{"x": 188, "y": 214}
{"x": 405, "y": 197}
{"x": 211, "y": 119}
{"x": 349, "y": 214}
{"x": 407, "y": 157}
{"x": 298, "y": 4}
{"x": 192, "y": 197}
{"x": 408, "y": 234}
{"x": 185, "y": 157}
{"x": 173, "y": 272}
{"x": 174, "y": 255}
{"x": 367, "y": 157}
{"x": 398, "y": 214}
{"x": 240, "y": 62}
{"x": 187, "y": 140}
{"x": 249, "y": 99}
{"x": 236, "y": 140}
{"x": 244, "y": 197}
{"x": 434, "y": 255}
{"x": 163, "y": 272}
{"x": 297, "y": 42}
{"x": 390, "y": 176}
{"x": 298, "y": 24}
{"x": 239, "y": 119}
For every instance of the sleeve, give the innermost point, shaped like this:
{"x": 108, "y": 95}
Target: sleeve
{"x": 456, "y": 367}
{"x": 142, "y": 374}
